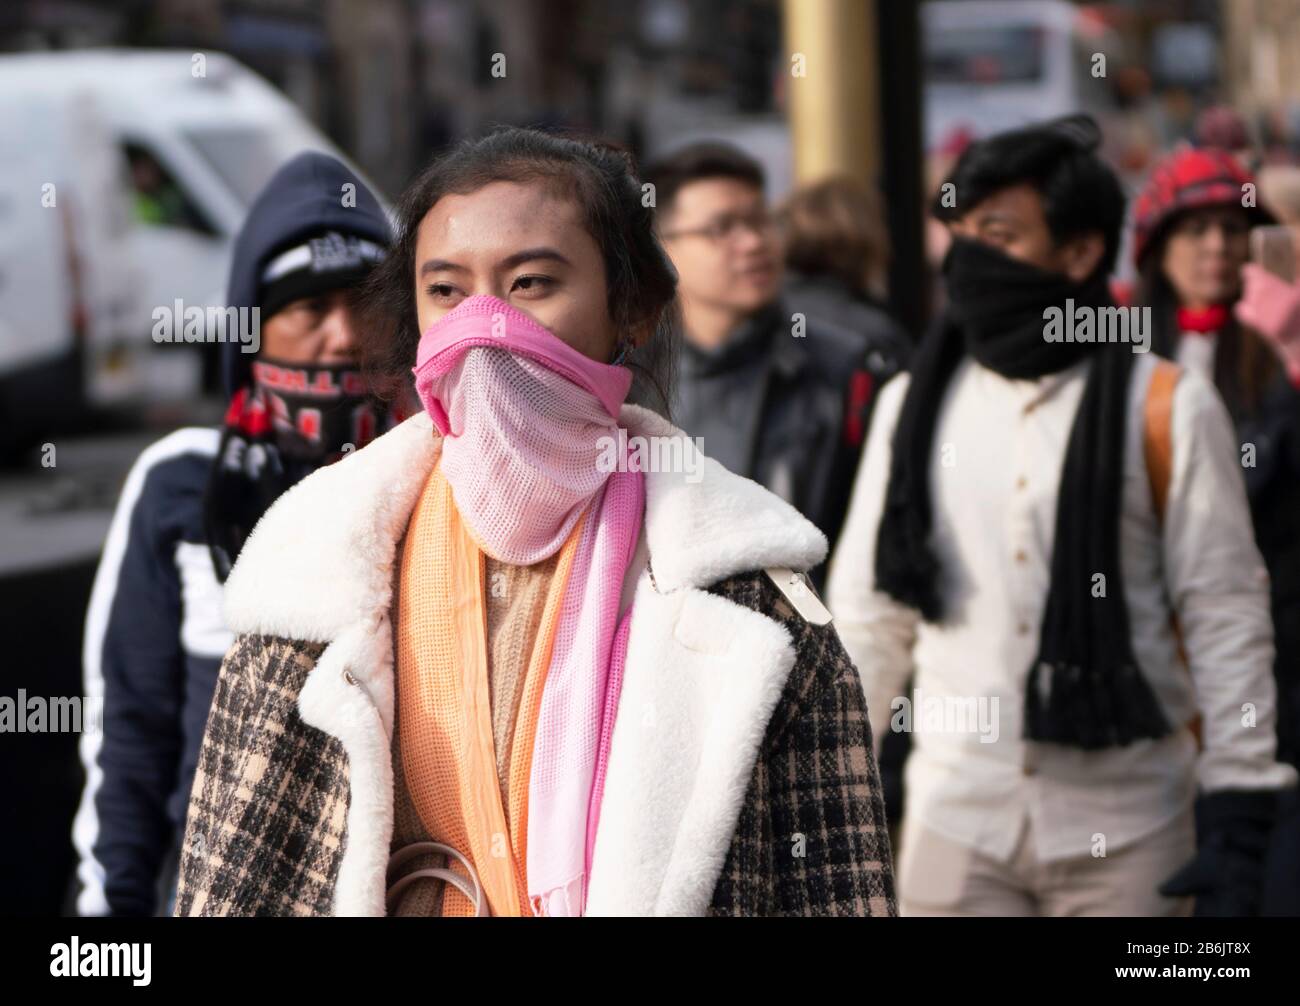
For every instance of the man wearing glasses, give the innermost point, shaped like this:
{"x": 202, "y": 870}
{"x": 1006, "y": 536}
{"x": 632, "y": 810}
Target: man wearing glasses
{"x": 775, "y": 397}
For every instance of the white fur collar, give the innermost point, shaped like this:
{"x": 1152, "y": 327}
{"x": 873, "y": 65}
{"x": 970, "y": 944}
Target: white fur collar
{"x": 321, "y": 559}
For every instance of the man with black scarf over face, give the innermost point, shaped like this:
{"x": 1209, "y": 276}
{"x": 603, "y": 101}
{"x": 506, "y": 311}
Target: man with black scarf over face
{"x": 1004, "y": 546}
{"x": 155, "y": 634}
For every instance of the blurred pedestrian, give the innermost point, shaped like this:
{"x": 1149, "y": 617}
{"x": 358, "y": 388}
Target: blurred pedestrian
{"x": 1270, "y": 306}
{"x": 1192, "y": 242}
{"x": 776, "y": 397}
{"x": 155, "y": 630}
{"x": 1222, "y": 127}
{"x": 511, "y": 663}
{"x": 1021, "y": 536}
{"x": 837, "y": 266}
{"x": 1191, "y": 238}
{"x": 1279, "y": 190}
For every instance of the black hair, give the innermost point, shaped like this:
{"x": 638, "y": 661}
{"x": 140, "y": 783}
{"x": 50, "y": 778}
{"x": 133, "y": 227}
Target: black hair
{"x": 1080, "y": 193}
{"x": 601, "y": 179}
{"x": 697, "y": 162}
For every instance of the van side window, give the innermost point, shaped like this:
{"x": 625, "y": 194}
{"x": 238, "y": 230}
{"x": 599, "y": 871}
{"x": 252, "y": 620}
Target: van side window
{"x": 157, "y": 201}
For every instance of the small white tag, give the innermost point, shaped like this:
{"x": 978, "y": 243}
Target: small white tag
{"x": 799, "y": 592}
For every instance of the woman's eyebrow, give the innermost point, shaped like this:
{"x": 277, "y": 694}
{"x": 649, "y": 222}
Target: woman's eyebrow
{"x": 510, "y": 262}
{"x": 440, "y": 265}
{"x": 533, "y": 255}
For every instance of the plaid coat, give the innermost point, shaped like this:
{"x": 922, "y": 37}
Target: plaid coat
{"x": 740, "y": 781}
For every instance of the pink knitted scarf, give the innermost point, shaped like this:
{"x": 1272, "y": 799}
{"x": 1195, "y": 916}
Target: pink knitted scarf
{"x": 528, "y": 423}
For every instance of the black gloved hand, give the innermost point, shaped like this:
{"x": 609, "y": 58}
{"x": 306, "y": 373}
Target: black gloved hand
{"x": 1232, "y": 832}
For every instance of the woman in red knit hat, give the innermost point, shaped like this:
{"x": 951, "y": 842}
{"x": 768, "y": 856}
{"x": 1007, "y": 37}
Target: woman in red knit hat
{"x": 1192, "y": 223}
{"x": 1193, "y": 220}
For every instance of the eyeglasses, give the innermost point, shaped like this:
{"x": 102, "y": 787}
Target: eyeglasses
{"x": 727, "y": 228}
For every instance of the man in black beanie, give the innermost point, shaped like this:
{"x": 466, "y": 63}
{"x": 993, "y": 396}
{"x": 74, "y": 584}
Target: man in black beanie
{"x": 155, "y": 634}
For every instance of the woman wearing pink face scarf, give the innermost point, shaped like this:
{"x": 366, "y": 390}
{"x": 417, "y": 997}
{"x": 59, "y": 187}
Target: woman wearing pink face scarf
{"x": 532, "y": 652}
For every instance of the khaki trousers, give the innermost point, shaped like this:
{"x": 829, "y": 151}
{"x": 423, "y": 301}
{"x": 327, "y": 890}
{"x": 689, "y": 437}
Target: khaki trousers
{"x": 940, "y": 877}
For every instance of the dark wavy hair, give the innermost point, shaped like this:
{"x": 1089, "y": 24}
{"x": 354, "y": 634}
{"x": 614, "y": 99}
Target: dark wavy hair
{"x": 601, "y": 179}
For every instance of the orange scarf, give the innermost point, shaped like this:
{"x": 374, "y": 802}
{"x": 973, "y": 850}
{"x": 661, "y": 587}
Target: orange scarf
{"x": 444, "y": 707}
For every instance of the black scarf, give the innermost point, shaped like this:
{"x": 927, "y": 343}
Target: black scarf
{"x": 292, "y": 420}
{"x": 1084, "y": 687}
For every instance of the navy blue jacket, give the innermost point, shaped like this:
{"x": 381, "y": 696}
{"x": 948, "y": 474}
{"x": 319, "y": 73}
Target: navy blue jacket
{"x": 154, "y": 641}
{"x": 155, "y": 634}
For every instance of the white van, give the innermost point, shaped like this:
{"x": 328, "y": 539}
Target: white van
{"x": 155, "y": 157}
{"x": 67, "y": 292}
{"x": 996, "y": 65}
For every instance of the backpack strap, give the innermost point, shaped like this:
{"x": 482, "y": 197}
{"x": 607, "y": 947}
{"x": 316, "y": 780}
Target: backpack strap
{"x": 1158, "y": 441}
{"x": 1158, "y": 448}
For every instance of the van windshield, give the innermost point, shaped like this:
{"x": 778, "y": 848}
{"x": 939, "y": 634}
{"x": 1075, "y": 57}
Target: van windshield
{"x": 245, "y": 159}
{"x": 1005, "y": 54}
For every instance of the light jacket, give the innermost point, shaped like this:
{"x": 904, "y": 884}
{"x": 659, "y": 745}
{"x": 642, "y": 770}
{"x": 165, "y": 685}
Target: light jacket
{"x": 740, "y": 777}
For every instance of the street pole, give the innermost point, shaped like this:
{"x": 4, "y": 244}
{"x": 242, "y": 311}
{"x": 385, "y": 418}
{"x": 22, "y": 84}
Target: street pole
{"x": 855, "y": 109}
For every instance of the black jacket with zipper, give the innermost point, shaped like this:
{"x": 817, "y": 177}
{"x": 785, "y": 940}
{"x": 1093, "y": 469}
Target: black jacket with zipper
{"x": 786, "y": 402}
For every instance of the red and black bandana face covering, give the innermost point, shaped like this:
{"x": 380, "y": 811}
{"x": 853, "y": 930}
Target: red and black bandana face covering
{"x": 291, "y": 420}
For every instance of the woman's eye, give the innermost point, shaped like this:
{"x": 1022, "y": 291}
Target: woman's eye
{"x": 532, "y": 284}
{"x": 440, "y": 290}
